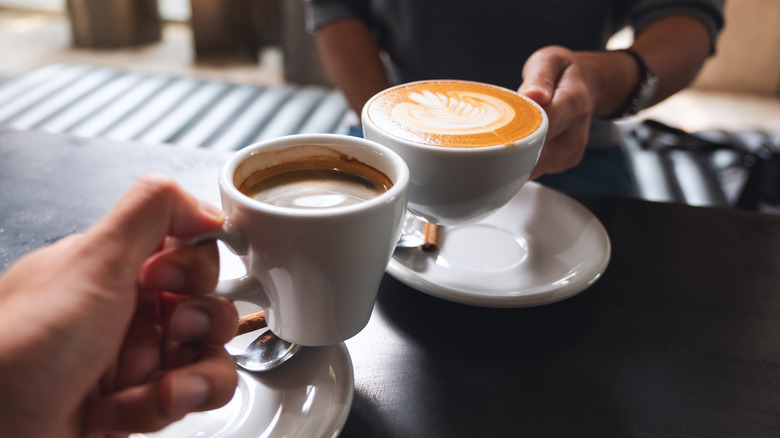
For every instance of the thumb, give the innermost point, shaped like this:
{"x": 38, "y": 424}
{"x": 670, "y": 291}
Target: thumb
{"x": 541, "y": 74}
{"x": 167, "y": 396}
{"x": 537, "y": 91}
{"x": 153, "y": 208}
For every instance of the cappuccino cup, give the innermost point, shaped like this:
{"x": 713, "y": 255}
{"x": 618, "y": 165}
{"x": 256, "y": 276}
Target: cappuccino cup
{"x": 469, "y": 146}
{"x": 315, "y": 219}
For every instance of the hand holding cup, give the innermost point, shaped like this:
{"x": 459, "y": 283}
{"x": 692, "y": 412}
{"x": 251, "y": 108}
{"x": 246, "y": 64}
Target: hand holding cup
{"x": 315, "y": 219}
{"x": 469, "y": 146}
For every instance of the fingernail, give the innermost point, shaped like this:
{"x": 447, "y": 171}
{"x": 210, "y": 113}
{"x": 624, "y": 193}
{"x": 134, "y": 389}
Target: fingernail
{"x": 189, "y": 322}
{"x": 535, "y": 93}
{"x": 211, "y": 210}
{"x": 189, "y": 393}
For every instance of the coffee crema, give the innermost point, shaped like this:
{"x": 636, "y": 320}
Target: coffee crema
{"x": 316, "y": 183}
{"x": 458, "y": 114}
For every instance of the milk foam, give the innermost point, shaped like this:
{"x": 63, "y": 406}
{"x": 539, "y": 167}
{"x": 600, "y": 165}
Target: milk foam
{"x": 455, "y": 112}
{"x": 452, "y": 113}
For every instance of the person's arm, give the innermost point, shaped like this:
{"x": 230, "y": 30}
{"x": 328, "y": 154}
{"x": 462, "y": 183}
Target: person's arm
{"x": 675, "y": 47}
{"x": 574, "y": 87}
{"x": 352, "y": 59}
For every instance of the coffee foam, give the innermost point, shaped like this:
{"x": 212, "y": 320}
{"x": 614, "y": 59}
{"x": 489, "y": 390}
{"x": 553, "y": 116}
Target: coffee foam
{"x": 327, "y": 179}
{"x": 312, "y": 188}
{"x": 454, "y": 114}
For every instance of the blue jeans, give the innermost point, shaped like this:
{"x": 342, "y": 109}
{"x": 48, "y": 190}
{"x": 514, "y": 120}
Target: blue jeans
{"x": 602, "y": 170}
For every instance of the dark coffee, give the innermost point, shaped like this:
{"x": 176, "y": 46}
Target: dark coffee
{"x": 316, "y": 183}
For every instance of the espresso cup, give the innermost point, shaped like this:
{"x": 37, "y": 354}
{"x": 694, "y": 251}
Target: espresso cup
{"x": 469, "y": 146}
{"x": 315, "y": 219}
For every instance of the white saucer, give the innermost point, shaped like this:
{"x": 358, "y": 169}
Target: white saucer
{"x": 309, "y": 396}
{"x": 540, "y": 248}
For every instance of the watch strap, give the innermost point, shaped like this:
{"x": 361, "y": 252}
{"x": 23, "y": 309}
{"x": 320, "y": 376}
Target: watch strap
{"x": 643, "y": 93}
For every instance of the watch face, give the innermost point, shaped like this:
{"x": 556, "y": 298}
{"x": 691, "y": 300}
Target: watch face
{"x": 645, "y": 92}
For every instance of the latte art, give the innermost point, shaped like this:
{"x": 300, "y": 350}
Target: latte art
{"x": 456, "y": 112}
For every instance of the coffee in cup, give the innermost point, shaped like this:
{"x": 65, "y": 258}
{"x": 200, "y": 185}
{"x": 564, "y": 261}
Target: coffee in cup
{"x": 316, "y": 182}
{"x": 315, "y": 219}
{"x": 470, "y": 146}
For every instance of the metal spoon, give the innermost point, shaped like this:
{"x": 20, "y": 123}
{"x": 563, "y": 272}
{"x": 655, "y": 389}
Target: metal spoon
{"x": 266, "y": 352}
{"x": 411, "y": 240}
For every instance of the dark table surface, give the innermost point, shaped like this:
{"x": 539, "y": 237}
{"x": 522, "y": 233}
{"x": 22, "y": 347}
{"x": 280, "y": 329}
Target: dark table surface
{"x": 679, "y": 338}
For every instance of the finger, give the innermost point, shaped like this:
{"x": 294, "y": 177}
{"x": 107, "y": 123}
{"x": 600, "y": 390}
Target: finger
{"x": 541, "y": 73}
{"x": 563, "y": 152}
{"x": 165, "y": 319}
{"x": 215, "y": 371}
{"x": 200, "y": 320}
{"x": 188, "y": 269}
{"x": 570, "y": 113}
{"x": 204, "y": 385}
{"x": 139, "y": 356}
{"x": 153, "y": 208}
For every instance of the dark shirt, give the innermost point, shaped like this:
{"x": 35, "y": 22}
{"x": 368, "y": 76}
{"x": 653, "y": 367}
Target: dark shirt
{"x": 489, "y": 40}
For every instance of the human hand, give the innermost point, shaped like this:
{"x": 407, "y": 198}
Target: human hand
{"x": 89, "y": 347}
{"x": 557, "y": 79}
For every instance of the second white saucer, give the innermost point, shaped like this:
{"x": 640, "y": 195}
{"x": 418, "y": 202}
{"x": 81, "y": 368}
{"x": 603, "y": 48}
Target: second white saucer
{"x": 540, "y": 248}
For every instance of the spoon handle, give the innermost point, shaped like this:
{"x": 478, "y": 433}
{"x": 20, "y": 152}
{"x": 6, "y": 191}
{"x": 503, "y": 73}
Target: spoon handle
{"x": 251, "y": 322}
{"x": 431, "y": 233}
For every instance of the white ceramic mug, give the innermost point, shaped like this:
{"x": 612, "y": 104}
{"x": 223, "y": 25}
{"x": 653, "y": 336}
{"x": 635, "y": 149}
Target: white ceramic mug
{"x": 429, "y": 122}
{"x": 315, "y": 271}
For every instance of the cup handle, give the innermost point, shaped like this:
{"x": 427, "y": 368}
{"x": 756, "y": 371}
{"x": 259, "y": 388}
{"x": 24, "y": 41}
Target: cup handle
{"x": 230, "y": 234}
{"x": 244, "y": 288}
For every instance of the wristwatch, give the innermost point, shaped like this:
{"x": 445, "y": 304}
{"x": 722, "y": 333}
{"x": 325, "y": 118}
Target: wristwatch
{"x": 644, "y": 91}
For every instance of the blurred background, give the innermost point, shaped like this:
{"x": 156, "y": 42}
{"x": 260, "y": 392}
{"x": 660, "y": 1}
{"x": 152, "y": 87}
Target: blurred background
{"x": 226, "y": 73}
{"x": 236, "y": 40}
{"x": 263, "y": 42}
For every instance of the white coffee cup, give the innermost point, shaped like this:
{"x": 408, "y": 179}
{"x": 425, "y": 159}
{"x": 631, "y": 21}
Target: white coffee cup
{"x": 428, "y": 123}
{"x": 315, "y": 271}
